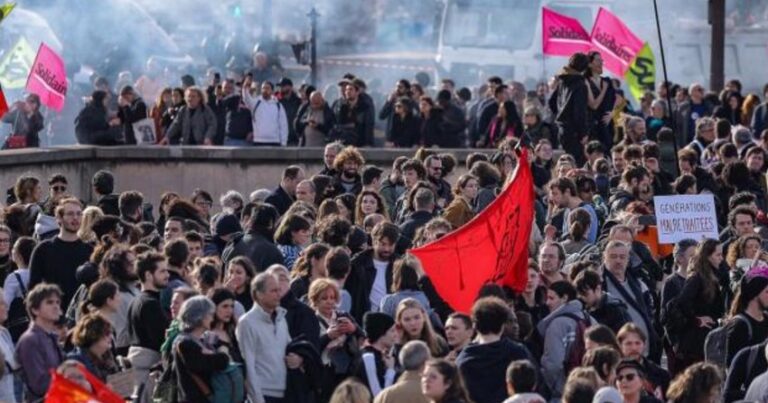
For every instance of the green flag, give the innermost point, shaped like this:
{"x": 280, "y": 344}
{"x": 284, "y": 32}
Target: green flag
{"x": 15, "y": 65}
{"x": 5, "y": 10}
{"x": 641, "y": 75}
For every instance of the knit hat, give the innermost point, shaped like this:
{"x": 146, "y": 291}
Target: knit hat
{"x": 227, "y": 224}
{"x": 607, "y": 395}
{"x": 752, "y": 284}
{"x": 377, "y": 324}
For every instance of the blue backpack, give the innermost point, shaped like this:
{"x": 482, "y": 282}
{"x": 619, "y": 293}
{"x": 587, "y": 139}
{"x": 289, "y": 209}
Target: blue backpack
{"x": 228, "y": 385}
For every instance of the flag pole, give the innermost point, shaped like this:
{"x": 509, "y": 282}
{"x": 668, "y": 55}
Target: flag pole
{"x": 664, "y": 65}
{"x": 666, "y": 79}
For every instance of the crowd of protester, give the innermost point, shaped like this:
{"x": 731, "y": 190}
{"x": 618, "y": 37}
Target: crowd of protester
{"x": 307, "y": 292}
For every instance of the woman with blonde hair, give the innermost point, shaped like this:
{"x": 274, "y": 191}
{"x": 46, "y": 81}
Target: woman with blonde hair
{"x": 339, "y": 334}
{"x": 85, "y": 233}
{"x": 351, "y": 391}
{"x": 413, "y": 322}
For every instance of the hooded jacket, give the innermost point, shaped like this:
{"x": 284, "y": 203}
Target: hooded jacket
{"x": 45, "y": 227}
{"x": 572, "y": 98}
{"x": 559, "y": 332}
{"x": 483, "y": 367}
{"x": 255, "y": 246}
{"x": 619, "y": 200}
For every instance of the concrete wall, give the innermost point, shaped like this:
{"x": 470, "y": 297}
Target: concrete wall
{"x": 154, "y": 170}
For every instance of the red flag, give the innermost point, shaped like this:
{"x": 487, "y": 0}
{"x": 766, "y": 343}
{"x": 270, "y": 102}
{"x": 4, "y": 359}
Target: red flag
{"x": 492, "y": 248}
{"x": 3, "y": 103}
{"x": 616, "y": 43}
{"x": 562, "y": 35}
{"x": 62, "y": 390}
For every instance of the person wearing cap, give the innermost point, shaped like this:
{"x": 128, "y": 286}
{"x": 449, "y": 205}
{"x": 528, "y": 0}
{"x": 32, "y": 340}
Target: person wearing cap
{"x": 291, "y": 103}
{"x": 376, "y": 365}
{"x": 748, "y": 325}
{"x": 270, "y": 122}
{"x": 629, "y": 381}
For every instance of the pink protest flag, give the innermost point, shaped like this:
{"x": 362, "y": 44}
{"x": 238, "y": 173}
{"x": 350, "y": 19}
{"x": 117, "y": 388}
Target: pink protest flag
{"x": 48, "y": 78}
{"x": 562, "y": 35}
{"x": 616, "y": 43}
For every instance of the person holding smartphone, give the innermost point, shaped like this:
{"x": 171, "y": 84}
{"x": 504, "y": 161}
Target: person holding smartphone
{"x": 340, "y": 336}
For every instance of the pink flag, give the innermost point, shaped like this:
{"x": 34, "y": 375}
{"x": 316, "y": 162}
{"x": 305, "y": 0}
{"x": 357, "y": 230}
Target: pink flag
{"x": 562, "y": 35}
{"x": 616, "y": 43}
{"x": 48, "y": 78}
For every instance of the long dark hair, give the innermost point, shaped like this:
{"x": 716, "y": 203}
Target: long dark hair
{"x": 98, "y": 295}
{"x": 303, "y": 265}
{"x": 700, "y": 265}
{"x": 456, "y": 390}
{"x": 219, "y": 295}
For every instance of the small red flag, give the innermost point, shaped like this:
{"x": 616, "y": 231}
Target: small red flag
{"x": 62, "y": 390}
{"x": 3, "y": 104}
{"x": 492, "y": 248}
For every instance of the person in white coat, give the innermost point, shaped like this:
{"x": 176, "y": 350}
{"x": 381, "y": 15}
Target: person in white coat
{"x": 270, "y": 122}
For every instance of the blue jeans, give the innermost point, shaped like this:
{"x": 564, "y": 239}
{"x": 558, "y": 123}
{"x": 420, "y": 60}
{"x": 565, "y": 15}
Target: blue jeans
{"x": 235, "y": 142}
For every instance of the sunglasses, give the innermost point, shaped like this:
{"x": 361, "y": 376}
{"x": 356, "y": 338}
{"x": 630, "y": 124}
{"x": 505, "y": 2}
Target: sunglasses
{"x": 628, "y": 377}
{"x": 59, "y": 188}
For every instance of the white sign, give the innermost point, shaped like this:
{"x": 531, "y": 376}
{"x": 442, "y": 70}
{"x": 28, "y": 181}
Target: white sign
{"x": 685, "y": 216}
{"x": 144, "y": 131}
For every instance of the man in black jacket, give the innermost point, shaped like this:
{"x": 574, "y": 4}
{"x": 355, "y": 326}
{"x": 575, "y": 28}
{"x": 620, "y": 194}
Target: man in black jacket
{"x": 103, "y": 184}
{"x": 572, "y": 98}
{"x": 424, "y": 206}
{"x": 291, "y": 102}
{"x": 354, "y": 116}
{"x": 434, "y": 167}
{"x": 302, "y": 321}
{"x": 257, "y": 244}
{"x": 371, "y": 276}
{"x": 93, "y": 125}
{"x": 607, "y": 310}
{"x": 233, "y": 116}
{"x": 285, "y": 194}
{"x": 347, "y": 165}
{"x": 132, "y": 109}
{"x": 312, "y": 132}
{"x": 454, "y": 121}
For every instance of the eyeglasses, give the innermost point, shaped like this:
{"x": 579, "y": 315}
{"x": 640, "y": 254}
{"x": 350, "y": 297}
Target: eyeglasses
{"x": 203, "y": 204}
{"x": 5, "y": 240}
{"x": 59, "y": 188}
{"x": 628, "y": 377}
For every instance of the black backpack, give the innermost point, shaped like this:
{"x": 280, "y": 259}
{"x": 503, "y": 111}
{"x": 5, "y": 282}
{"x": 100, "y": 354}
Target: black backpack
{"x": 18, "y": 319}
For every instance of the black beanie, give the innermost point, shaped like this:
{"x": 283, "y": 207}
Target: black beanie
{"x": 377, "y": 324}
{"x": 752, "y": 286}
